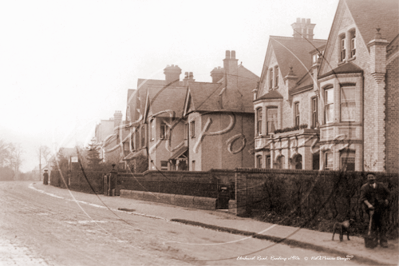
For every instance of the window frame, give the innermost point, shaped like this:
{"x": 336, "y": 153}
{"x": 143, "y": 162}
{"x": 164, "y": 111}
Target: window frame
{"x": 259, "y": 117}
{"x": 164, "y": 168}
{"x": 342, "y": 50}
{"x": 352, "y": 34}
{"x": 297, "y": 114}
{"x": 352, "y": 155}
{"x": 329, "y": 105}
{"x": 326, "y": 154}
{"x": 186, "y": 131}
{"x": 314, "y": 110}
{"x": 259, "y": 161}
{"x": 152, "y": 128}
{"x": 271, "y": 78}
{"x": 268, "y": 162}
{"x": 275, "y": 77}
{"x": 143, "y": 136}
{"x": 163, "y": 130}
{"x": 268, "y": 108}
{"x": 192, "y": 129}
{"x": 346, "y": 102}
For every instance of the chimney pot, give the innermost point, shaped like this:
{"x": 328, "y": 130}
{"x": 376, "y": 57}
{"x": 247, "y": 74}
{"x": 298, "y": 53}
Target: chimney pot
{"x": 233, "y": 54}
{"x": 227, "y": 54}
{"x": 303, "y": 21}
{"x": 308, "y": 21}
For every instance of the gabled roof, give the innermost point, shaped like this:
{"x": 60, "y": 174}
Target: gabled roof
{"x": 155, "y": 96}
{"x": 372, "y": 14}
{"x": 167, "y": 98}
{"x": 208, "y": 97}
{"x": 295, "y": 53}
{"x": 270, "y": 95}
{"x": 342, "y": 69}
{"x": 204, "y": 95}
{"x": 304, "y": 84}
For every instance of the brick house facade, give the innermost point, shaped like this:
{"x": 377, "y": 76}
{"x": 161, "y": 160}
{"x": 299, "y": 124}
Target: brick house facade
{"x": 190, "y": 125}
{"x": 348, "y": 98}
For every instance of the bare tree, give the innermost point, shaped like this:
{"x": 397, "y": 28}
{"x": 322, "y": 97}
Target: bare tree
{"x": 4, "y": 153}
{"x": 44, "y": 153}
{"x": 15, "y": 157}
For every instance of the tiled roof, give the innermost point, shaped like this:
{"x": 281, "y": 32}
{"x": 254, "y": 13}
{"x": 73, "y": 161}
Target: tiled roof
{"x": 372, "y": 14}
{"x": 167, "y": 98}
{"x": 270, "y": 95}
{"x": 206, "y": 96}
{"x": 342, "y": 69}
{"x": 294, "y": 52}
{"x": 161, "y": 98}
{"x": 304, "y": 84}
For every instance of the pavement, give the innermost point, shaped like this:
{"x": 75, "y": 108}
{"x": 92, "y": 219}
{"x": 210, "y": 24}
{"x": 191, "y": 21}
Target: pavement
{"x": 223, "y": 221}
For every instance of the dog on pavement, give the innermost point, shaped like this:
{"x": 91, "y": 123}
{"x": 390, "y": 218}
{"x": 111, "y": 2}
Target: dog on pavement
{"x": 342, "y": 228}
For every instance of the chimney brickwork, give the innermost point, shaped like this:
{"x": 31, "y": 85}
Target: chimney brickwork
{"x": 303, "y": 29}
{"x": 172, "y": 74}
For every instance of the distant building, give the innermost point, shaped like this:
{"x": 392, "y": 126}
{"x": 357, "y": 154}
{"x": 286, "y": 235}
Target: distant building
{"x": 220, "y": 118}
{"x": 189, "y": 125}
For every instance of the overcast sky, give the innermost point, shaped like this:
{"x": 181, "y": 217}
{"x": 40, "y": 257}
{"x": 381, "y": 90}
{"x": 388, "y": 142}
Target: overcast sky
{"x": 65, "y": 65}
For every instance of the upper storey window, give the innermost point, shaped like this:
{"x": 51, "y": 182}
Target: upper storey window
{"x": 163, "y": 131}
{"x": 314, "y": 58}
{"x": 329, "y": 105}
{"x": 271, "y": 78}
{"x": 342, "y": 48}
{"x": 276, "y": 76}
{"x": 353, "y": 43}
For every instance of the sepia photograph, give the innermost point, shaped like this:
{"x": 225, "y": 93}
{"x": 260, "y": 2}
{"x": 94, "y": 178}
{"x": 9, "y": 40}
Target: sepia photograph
{"x": 150, "y": 132}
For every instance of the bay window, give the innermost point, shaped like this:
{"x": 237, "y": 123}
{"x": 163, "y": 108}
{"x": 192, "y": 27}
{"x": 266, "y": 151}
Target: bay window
{"x": 271, "y": 119}
{"x": 348, "y": 104}
{"x": 329, "y": 105}
{"x": 314, "y": 112}
{"x": 259, "y": 121}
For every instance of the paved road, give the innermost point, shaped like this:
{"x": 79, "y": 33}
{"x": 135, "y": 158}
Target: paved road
{"x": 39, "y": 229}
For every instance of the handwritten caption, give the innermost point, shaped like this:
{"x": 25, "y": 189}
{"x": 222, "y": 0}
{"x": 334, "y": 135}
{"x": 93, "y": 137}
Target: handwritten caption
{"x": 295, "y": 258}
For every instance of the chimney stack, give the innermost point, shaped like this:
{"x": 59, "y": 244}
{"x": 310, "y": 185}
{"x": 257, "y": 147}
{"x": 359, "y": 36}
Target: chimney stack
{"x": 217, "y": 74}
{"x": 188, "y": 77}
{"x": 230, "y": 69}
{"x": 303, "y": 29}
{"x": 117, "y": 118}
{"x": 172, "y": 74}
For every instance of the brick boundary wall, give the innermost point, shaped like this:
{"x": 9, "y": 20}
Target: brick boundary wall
{"x": 173, "y": 199}
{"x": 75, "y": 180}
{"x": 190, "y": 183}
{"x": 303, "y": 192}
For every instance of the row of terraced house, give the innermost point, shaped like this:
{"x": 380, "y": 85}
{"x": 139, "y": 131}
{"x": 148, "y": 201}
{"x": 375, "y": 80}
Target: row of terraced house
{"x": 317, "y": 105}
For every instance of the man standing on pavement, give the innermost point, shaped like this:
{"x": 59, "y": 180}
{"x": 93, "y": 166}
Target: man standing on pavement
{"x": 45, "y": 177}
{"x": 374, "y": 196}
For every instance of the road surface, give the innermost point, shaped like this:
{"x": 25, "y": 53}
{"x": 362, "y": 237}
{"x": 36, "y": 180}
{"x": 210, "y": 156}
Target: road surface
{"x": 37, "y": 228}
